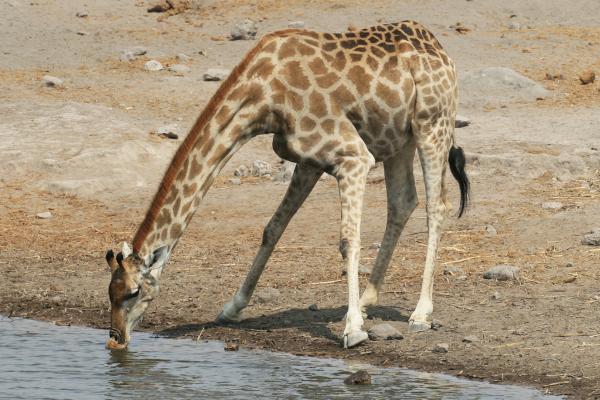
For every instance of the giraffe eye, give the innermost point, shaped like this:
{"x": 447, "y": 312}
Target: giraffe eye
{"x": 134, "y": 293}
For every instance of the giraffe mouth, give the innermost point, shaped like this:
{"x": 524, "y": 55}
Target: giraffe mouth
{"x": 116, "y": 340}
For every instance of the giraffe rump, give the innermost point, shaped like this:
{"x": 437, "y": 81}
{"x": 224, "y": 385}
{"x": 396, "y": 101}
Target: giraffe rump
{"x": 457, "y": 162}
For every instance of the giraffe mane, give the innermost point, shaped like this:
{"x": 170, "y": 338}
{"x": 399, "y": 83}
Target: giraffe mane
{"x": 188, "y": 144}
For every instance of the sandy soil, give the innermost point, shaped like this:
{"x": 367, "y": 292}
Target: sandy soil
{"x": 85, "y": 152}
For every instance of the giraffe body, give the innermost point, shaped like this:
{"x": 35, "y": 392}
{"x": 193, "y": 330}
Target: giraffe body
{"x": 335, "y": 103}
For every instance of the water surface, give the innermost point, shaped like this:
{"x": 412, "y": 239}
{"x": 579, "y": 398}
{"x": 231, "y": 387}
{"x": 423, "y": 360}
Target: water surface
{"x": 40, "y": 360}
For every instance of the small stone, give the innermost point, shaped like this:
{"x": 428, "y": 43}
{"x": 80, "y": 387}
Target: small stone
{"x": 436, "y": 324}
{"x": 245, "y": 30}
{"x": 81, "y": 14}
{"x": 453, "y": 270}
{"x": 554, "y": 77}
{"x": 588, "y": 76}
{"x": 235, "y": 181}
{"x": 470, "y": 339}
{"x": 592, "y": 238}
{"x": 440, "y": 348}
{"x": 296, "y": 25}
{"x": 168, "y": 131}
{"x": 384, "y": 332}
{"x": 360, "y": 377}
{"x": 267, "y": 295}
{"x": 183, "y": 57}
{"x": 569, "y": 265}
{"x": 153, "y": 66}
{"x": 242, "y": 170}
{"x": 313, "y": 307}
{"x": 552, "y": 205}
{"x": 179, "y": 69}
{"x": 461, "y": 121}
{"x": 231, "y": 346}
{"x": 52, "y": 81}
{"x": 133, "y": 53}
{"x": 160, "y": 6}
{"x": 260, "y": 168}
{"x": 285, "y": 172}
{"x": 490, "y": 230}
{"x": 44, "y": 215}
{"x": 215, "y": 74}
{"x": 138, "y": 51}
{"x": 514, "y": 25}
{"x": 496, "y": 296}
{"x": 502, "y": 273}
{"x": 375, "y": 246}
{"x": 82, "y": 33}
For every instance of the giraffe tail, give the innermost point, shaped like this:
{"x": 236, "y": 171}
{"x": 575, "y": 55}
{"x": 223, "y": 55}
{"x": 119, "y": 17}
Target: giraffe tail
{"x": 456, "y": 159}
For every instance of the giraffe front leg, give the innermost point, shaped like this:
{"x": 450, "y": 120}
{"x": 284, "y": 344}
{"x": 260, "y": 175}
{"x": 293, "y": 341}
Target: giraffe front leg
{"x": 401, "y": 200}
{"x": 303, "y": 181}
{"x": 352, "y": 176}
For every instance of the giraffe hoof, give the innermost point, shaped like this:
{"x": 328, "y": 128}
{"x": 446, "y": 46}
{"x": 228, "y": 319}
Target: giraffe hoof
{"x": 224, "y": 318}
{"x": 418, "y": 326}
{"x": 354, "y": 339}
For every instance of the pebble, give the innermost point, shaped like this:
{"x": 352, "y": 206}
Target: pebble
{"x": 436, "y": 324}
{"x": 569, "y": 265}
{"x": 440, "y": 348}
{"x": 588, "y": 76}
{"x": 360, "y": 377}
{"x": 552, "y": 205}
{"x": 592, "y": 238}
{"x": 44, "y": 215}
{"x": 260, "y": 168}
{"x": 267, "y": 295}
{"x": 133, "y": 53}
{"x": 153, "y": 66}
{"x": 514, "y": 25}
{"x": 183, "y": 57}
{"x": 215, "y": 74}
{"x": 502, "y": 273}
{"x": 52, "y": 81}
{"x": 242, "y": 170}
{"x": 285, "y": 172}
{"x": 490, "y": 230}
{"x": 296, "y": 25}
{"x": 453, "y": 270}
{"x": 245, "y": 30}
{"x": 384, "y": 331}
{"x": 169, "y": 131}
{"x": 81, "y": 14}
{"x": 231, "y": 346}
{"x": 496, "y": 296}
{"x": 82, "y": 33}
{"x": 554, "y": 77}
{"x": 313, "y": 307}
{"x": 470, "y": 339}
{"x": 461, "y": 121}
{"x": 179, "y": 69}
{"x": 375, "y": 246}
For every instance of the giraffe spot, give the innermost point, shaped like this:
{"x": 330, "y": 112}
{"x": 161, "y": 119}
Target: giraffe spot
{"x": 388, "y": 95}
{"x": 270, "y": 48}
{"x": 408, "y": 88}
{"x": 305, "y": 50}
{"x": 341, "y": 96}
{"x": 356, "y": 57}
{"x": 374, "y": 109}
{"x": 429, "y": 100}
{"x": 254, "y": 94}
{"x": 407, "y": 29}
{"x": 348, "y": 44}
{"x": 360, "y": 78}
{"x": 309, "y": 142}
{"x": 237, "y": 94}
{"x": 350, "y": 34}
{"x": 295, "y": 76}
{"x": 163, "y": 235}
{"x": 189, "y": 190}
{"x": 416, "y": 43}
{"x": 164, "y": 218}
{"x": 375, "y": 124}
{"x": 317, "y": 66}
{"x": 288, "y": 48}
{"x": 372, "y": 63}
{"x": 262, "y": 69}
{"x": 217, "y": 155}
{"x": 327, "y": 80}
{"x": 419, "y": 34}
{"x": 176, "y": 206}
{"x": 172, "y": 195}
{"x": 405, "y": 47}
{"x": 390, "y": 70}
{"x": 317, "y": 105}
{"x": 387, "y": 47}
{"x": 374, "y": 39}
{"x": 390, "y": 134}
{"x": 180, "y": 175}
{"x": 378, "y": 52}
{"x": 330, "y": 46}
{"x": 176, "y": 231}
{"x": 207, "y": 146}
{"x": 294, "y": 100}
{"x": 328, "y": 126}
{"x": 223, "y": 115}
{"x": 328, "y": 36}
{"x": 307, "y": 124}
{"x": 186, "y": 207}
{"x": 364, "y": 34}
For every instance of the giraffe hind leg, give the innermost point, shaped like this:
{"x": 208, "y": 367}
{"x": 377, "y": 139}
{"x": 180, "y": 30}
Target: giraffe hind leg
{"x": 303, "y": 181}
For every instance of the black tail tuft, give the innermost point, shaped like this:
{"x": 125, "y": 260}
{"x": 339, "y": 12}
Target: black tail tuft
{"x": 457, "y": 162}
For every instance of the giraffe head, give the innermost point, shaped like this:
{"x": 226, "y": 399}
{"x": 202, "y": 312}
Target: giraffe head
{"x": 134, "y": 284}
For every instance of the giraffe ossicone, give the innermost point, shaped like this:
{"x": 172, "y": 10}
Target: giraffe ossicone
{"x": 335, "y": 103}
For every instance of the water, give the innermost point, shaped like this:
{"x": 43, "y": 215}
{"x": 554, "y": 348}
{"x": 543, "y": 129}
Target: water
{"x": 42, "y": 361}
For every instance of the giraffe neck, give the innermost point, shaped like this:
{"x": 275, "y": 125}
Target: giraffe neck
{"x": 238, "y": 111}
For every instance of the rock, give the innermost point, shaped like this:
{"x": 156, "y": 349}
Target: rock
{"x": 216, "y": 74}
{"x": 470, "y": 339}
{"x": 267, "y": 295}
{"x": 235, "y": 181}
{"x": 82, "y": 33}
{"x": 245, "y": 30}
{"x": 436, "y": 324}
{"x": 453, "y": 270}
{"x": 490, "y": 230}
{"x": 552, "y": 205}
{"x": 461, "y": 121}
{"x": 285, "y": 172}
{"x": 460, "y": 28}
{"x": 514, "y": 25}
{"x": 153, "y": 66}
{"x": 168, "y": 131}
{"x": 242, "y": 170}
{"x": 81, "y": 14}
{"x": 296, "y": 25}
{"x": 44, "y": 215}
{"x": 313, "y": 307}
{"x": 592, "y": 238}
{"x": 133, "y": 53}
{"x": 586, "y": 77}
{"x": 160, "y": 6}
{"x": 569, "y": 265}
{"x": 375, "y": 246}
{"x": 496, "y": 296}
{"x": 260, "y": 168}
{"x": 52, "y": 81}
{"x": 384, "y": 332}
{"x": 440, "y": 348}
{"x": 498, "y": 86}
{"x": 554, "y": 77}
{"x": 502, "y": 273}
{"x": 183, "y": 57}
{"x": 360, "y": 377}
{"x": 179, "y": 69}
{"x": 231, "y": 345}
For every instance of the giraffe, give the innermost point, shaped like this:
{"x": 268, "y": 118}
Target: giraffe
{"x": 335, "y": 103}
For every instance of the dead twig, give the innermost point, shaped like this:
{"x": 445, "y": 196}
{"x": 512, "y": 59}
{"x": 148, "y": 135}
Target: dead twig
{"x": 324, "y": 282}
{"x": 461, "y": 260}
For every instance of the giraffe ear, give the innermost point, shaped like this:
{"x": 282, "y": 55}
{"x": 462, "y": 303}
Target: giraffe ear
{"x": 112, "y": 261}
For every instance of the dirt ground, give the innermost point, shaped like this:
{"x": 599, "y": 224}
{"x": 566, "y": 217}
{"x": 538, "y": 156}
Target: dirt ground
{"x": 85, "y": 153}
